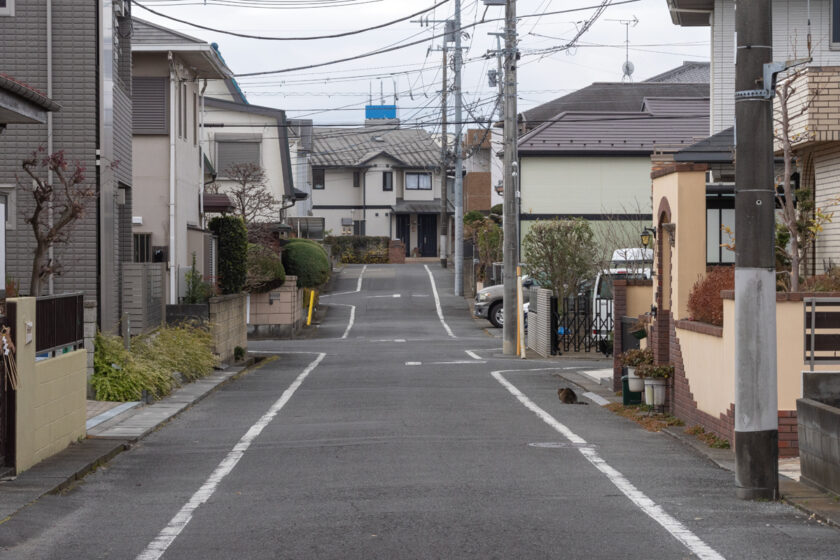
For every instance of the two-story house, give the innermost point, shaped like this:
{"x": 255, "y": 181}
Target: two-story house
{"x": 170, "y": 73}
{"x": 816, "y": 132}
{"x": 78, "y": 53}
{"x": 379, "y": 180}
{"x": 237, "y": 132}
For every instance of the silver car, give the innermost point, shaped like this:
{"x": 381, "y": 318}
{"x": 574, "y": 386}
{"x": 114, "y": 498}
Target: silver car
{"x": 488, "y": 302}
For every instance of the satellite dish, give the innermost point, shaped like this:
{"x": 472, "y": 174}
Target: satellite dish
{"x": 627, "y": 69}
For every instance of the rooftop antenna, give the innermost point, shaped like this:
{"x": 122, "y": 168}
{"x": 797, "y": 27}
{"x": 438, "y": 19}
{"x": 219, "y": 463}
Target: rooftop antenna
{"x": 628, "y": 67}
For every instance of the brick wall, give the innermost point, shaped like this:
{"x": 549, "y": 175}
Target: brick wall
{"x": 477, "y": 191}
{"x": 396, "y": 252}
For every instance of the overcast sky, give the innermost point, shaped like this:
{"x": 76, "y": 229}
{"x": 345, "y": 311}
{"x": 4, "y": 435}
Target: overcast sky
{"x": 337, "y": 94}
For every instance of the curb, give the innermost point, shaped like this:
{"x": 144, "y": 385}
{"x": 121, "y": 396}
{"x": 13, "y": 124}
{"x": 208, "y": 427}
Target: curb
{"x": 89, "y": 455}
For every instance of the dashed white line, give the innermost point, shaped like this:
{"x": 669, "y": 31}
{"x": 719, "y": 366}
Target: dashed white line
{"x": 653, "y": 510}
{"x": 167, "y": 536}
{"x": 460, "y": 362}
{"x": 414, "y": 363}
{"x": 437, "y": 304}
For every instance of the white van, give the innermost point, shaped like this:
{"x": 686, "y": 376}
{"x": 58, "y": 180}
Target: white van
{"x": 630, "y": 263}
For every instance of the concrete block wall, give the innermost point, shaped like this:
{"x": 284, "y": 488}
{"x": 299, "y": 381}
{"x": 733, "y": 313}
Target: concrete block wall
{"x": 90, "y": 339}
{"x": 228, "y": 321}
{"x": 278, "y": 313}
{"x": 51, "y": 396}
{"x": 819, "y": 440}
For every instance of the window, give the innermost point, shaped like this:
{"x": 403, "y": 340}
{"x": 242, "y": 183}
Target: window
{"x": 149, "y": 105}
{"x": 387, "y": 180}
{"x": 835, "y": 23}
{"x": 357, "y": 179}
{"x": 8, "y": 194}
{"x": 358, "y": 227}
{"x": 183, "y": 123}
{"x": 7, "y": 7}
{"x": 318, "y": 179}
{"x": 418, "y": 182}
{"x": 233, "y": 152}
{"x": 195, "y": 119}
{"x": 720, "y": 212}
{"x": 142, "y": 247}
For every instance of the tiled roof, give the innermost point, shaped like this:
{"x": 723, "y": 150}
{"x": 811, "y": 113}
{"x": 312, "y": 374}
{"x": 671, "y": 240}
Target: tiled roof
{"x": 420, "y": 206}
{"x": 611, "y": 97}
{"x": 659, "y": 106}
{"x": 689, "y": 72}
{"x": 28, "y": 92}
{"x": 718, "y": 148}
{"x": 341, "y": 147}
{"x": 614, "y": 133}
{"x": 147, "y": 33}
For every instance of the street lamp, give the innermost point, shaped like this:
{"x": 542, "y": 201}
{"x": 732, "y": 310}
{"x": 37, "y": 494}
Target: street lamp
{"x": 648, "y": 235}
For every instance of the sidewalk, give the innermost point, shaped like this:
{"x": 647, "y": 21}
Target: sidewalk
{"x": 112, "y": 429}
{"x": 820, "y": 505}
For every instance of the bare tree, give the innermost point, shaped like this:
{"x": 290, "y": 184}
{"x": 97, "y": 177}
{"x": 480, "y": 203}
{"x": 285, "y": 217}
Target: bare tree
{"x": 66, "y": 198}
{"x": 800, "y": 217}
{"x": 249, "y": 192}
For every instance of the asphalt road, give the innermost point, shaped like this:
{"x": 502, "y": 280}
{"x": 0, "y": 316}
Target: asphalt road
{"x": 385, "y": 436}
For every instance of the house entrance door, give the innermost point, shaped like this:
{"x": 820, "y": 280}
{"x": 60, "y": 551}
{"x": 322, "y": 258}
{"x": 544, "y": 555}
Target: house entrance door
{"x": 404, "y": 231}
{"x": 427, "y": 234}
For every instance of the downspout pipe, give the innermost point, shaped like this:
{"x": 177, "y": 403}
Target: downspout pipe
{"x": 202, "y": 155}
{"x": 173, "y": 272}
{"x": 50, "y": 147}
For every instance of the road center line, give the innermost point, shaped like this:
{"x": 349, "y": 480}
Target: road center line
{"x": 437, "y": 303}
{"x": 167, "y": 536}
{"x": 639, "y": 499}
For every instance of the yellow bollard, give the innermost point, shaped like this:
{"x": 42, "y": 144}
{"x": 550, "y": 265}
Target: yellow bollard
{"x": 311, "y": 304}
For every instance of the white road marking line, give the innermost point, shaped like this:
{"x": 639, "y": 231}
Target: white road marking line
{"x": 167, "y": 536}
{"x": 358, "y": 286}
{"x": 399, "y": 340}
{"x": 597, "y": 399}
{"x": 653, "y": 510}
{"x": 394, "y": 296}
{"x": 461, "y": 362}
{"x": 414, "y": 363}
{"x": 472, "y": 355}
{"x": 352, "y": 320}
{"x": 437, "y": 303}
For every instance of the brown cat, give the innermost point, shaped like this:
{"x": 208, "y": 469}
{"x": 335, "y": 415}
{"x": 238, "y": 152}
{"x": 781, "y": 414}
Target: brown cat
{"x": 568, "y": 396}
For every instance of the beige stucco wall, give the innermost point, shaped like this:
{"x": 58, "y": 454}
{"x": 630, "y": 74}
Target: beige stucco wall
{"x": 51, "y": 396}
{"x": 710, "y": 360}
{"x": 230, "y": 329}
{"x": 638, "y": 300}
{"x": 282, "y": 306}
{"x": 585, "y": 185}
{"x": 685, "y": 193}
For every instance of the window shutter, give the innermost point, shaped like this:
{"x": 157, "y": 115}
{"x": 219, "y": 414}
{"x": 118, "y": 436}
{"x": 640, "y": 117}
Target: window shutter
{"x": 231, "y": 153}
{"x": 149, "y": 106}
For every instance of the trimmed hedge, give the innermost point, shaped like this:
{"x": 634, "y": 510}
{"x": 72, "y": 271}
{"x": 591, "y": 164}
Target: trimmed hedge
{"x": 308, "y": 261}
{"x": 359, "y": 249}
{"x": 233, "y": 252}
{"x": 265, "y": 270}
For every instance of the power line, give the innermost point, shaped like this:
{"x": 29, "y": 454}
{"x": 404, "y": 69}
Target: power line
{"x": 598, "y": 7}
{"x": 310, "y": 38}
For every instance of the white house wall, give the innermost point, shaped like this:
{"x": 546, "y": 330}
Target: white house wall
{"x": 577, "y": 185}
{"x": 789, "y": 41}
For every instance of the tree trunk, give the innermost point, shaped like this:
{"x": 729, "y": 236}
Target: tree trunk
{"x": 35, "y": 280}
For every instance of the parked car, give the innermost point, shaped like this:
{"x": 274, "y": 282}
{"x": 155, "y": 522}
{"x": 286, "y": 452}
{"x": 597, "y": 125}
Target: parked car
{"x": 489, "y": 302}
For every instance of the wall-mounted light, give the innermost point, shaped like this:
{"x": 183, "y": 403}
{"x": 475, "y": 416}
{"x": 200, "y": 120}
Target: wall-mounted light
{"x": 648, "y": 235}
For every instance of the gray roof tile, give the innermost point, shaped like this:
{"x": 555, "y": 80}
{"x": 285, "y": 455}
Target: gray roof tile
{"x": 342, "y": 147}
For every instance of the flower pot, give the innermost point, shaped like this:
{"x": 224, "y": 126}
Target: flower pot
{"x": 655, "y": 391}
{"x": 639, "y": 334}
{"x": 634, "y": 382}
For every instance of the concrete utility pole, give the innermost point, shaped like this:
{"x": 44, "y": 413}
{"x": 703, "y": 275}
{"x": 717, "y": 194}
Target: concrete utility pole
{"x": 511, "y": 242}
{"x": 459, "y": 163}
{"x": 756, "y": 404}
{"x": 444, "y": 162}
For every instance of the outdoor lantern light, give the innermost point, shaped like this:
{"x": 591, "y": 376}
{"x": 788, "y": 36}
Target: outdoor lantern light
{"x": 648, "y": 234}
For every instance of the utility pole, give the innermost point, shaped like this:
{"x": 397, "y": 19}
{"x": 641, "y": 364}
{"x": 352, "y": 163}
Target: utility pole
{"x": 756, "y": 404}
{"x": 444, "y": 162}
{"x": 511, "y": 241}
{"x": 459, "y": 163}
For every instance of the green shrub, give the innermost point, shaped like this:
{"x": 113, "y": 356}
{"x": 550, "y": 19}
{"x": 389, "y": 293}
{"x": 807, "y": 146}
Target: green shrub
{"x": 265, "y": 270}
{"x": 198, "y": 291}
{"x": 473, "y": 216}
{"x": 308, "y": 261}
{"x": 238, "y": 354}
{"x": 353, "y": 249}
{"x": 123, "y": 375}
{"x": 233, "y": 252}
{"x": 497, "y": 209}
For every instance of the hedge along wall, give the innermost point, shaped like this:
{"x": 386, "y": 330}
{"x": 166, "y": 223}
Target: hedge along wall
{"x": 233, "y": 252}
{"x": 308, "y": 261}
{"x": 359, "y": 248}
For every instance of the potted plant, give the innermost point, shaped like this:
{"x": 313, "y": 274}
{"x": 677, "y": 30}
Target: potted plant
{"x": 632, "y": 359}
{"x": 639, "y": 328}
{"x": 655, "y": 379}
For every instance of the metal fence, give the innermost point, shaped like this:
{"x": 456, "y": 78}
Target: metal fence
{"x": 59, "y": 322}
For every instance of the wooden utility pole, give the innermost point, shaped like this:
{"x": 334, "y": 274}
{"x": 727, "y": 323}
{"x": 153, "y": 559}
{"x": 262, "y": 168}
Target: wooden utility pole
{"x": 756, "y": 404}
{"x": 511, "y": 242}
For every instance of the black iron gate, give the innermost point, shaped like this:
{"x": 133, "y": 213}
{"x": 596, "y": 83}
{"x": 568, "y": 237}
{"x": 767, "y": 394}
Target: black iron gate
{"x": 582, "y": 324}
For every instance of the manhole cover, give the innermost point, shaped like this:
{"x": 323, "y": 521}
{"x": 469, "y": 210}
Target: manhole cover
{"x": 561, "y": 445}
